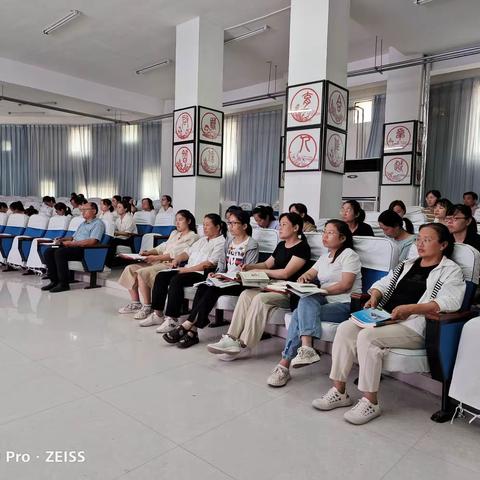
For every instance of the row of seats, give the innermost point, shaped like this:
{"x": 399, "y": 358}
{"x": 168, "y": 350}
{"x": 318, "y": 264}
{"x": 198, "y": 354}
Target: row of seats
{"x": 378, "y": 256}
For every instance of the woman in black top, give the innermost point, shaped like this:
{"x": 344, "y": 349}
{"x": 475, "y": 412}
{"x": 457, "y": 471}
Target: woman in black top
{"x": 462, "y": 225}
{"x": 289, "y": 260}
{"x": 354, "y": 216}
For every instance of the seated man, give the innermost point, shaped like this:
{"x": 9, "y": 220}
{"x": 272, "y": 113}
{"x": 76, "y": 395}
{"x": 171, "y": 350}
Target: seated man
{"x": 88, "y": 234}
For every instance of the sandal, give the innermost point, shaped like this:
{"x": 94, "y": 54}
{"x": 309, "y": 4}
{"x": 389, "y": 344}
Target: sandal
{"x": 188, "y": 340}
{"x": 175, "y": 335}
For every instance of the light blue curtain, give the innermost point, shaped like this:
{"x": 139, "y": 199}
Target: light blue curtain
{"x": 375, "y": 140}
{"x": 453, "y": 153}
{"x": 251, "y": 157}
{"x": 96, "y": 160}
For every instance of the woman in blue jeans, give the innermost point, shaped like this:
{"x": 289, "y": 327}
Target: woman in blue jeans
{"x": 339, "y": 273}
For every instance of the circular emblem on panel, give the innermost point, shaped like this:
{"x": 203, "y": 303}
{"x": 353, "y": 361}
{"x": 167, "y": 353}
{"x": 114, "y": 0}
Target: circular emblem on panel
{"x": 396, "y": 170}
{"x": 184, "y": 126}
{"x": 335, "y": 150}
{"x": 337, "y": 107}
{"x": 210, "y": 160}
{"x": 304, "y": 105}
{"x": 210, "y": 125}
{"x": 398, "y": 137}
{"x": 183, "y": 160}
{"x": 302, "y": 150}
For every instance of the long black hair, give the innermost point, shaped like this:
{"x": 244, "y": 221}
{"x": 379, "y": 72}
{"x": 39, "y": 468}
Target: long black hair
{"x": 218, "y": 222}
{"x": 63, "y": 208}
{"x": 188, "y": 216}
{"x": 296, "y": 220}
{"x": 443, "y": 235}
{"x": 344, "y": 231}
{"x": 244, "y": 218}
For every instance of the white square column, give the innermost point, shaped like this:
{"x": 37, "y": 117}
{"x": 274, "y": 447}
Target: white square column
{"x": 402, "y": 103}
{"x": 318, "y": 51}
{"x": 198, "y": 81}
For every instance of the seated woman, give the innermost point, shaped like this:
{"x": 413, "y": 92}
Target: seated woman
{"x": 431, "y": 199}
{"x": 308, "y": 221}
{"x": 399, "y": 207}
{"x": 354, "y": 216}
{"x": 392, "y": 226}
{"x": 428, "y": 284}
{"x": 46, "y": 208}
{"x": 106, "y": 210}
{"x": 125, "y": 228}
{"x": 62, "y": 210}
{"x": 462, "y": 225}
{"x": 204, "y": 254}
{"x": 339, "y": 273}
{"x": 139, "y": 278}
{"x": 287, "y": 262}
{"x": 263, "y": 215}
{"x": 240, "y": 250}
{"x": 440, "y": 210}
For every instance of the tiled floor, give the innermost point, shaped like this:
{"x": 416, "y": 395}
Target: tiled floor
{"x": 77, "y": 376}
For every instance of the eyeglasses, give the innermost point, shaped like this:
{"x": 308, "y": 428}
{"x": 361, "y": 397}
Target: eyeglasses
{"x": 329, "y": 234}
{"x": 454, "y": 219}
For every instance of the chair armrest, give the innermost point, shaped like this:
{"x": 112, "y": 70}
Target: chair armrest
{"x": 357, "y": 301}
{"x": 452, "y": 317}
{"x": 94, "y": 257}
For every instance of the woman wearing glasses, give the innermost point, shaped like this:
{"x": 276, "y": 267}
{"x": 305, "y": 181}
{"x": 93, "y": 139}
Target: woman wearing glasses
{"x": 428, "y": 284}
{"x": 240, "y": 250}
{"x": 462, "y": 225}
{"x": 339, "y": 273}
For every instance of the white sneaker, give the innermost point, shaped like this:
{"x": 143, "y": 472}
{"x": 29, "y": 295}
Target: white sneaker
{"x": 305, "y": 356}
{"x": 130, "y": 308}
{"x": 151, "y": 320}
{"x": 168, "y": 324}
{"x": 143, "y": 313}
{"x": 279, "y": 376}
{"x": 230, "y": 357}
{"x": 362, "y": 412}
{"x": 225, "y": 345}
{"x": 332, "y": 399}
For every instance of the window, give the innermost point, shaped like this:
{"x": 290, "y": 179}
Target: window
{"x": 366, "y": 105}
{"x": 130, "y": 134}
{"x": 80, "y": 141}
{"x": 6, "y": 146}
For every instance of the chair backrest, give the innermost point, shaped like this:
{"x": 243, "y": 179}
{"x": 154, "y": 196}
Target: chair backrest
{"x": 267, "y": 239}
{"x": 414, "y": 209}
{"x": 377, "y": 255}
{"x": 164, "y": 218}
{"x": 109, "y": 232}
{"x": 317, "y": 249}
{"x": 144, "y": 221}
{"x": 57, "y": 226}
{"x": 157, "y": 204}
{"x": 75, "y": 222}
{"x": 417, "y": 217}
{"x": 3, "y": 221}
{"x": 37, "y": 224}
{"x": 246, "y": 206}
{"x": 16, "y": 224}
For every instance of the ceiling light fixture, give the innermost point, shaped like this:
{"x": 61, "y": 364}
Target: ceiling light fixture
{"x": 421, "y": 2}
{"x": 252, "y": 33}
{"x": 154, "y": 66}
{"x": 61, "y": 22}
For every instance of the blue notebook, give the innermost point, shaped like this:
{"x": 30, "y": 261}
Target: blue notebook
{"x": 370, "y": 317}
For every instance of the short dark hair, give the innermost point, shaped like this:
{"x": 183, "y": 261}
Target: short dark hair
{"x": 17, "y": 206}
{"x": 397, "y": 203}
{"x": 150, "y": 203}
{"x": 118, "y": 198}
{"x": 390, "y": 219}
{"x": 3, "y": 205}
{"x": 445, "y": 203}
{"x": 467, "y": 213}
{"x": 443, "y": 235}
{"x": 435, "y": 193}
{"x": 93, "y": 205}
{"x": 472, "y": 194}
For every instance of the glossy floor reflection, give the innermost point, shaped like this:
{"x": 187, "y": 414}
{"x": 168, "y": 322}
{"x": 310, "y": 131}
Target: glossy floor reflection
{"x": 77, "y": 376}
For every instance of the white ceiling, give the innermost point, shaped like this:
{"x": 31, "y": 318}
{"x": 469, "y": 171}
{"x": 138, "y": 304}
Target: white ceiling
{"x": 113, "y": 38}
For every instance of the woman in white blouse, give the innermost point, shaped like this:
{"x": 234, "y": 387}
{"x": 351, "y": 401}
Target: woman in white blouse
{"x": 106, "y": 211}
{"x": 125, "y": 228}
{"x": 202, "y": 256}
{"x": 139, "y": 278}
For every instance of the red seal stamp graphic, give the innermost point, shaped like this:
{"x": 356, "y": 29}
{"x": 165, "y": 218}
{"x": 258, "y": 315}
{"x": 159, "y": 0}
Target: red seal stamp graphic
{"x": 302, "y": 150}
{"x": 210, "y": 160}
{"x": 210, "y": 125}
{"x": 304, "y": 105}
{"x": 398, "y": 137}
{"x": 183, "y": 160}
{"x": 396, "y": 170}
{"x": 335, "y": 150}
{"x": 184, "y": 126}
{"x": 337, "y": 107}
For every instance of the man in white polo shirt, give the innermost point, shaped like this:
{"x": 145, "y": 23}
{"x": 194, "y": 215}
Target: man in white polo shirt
{"x": 88, "y": 234}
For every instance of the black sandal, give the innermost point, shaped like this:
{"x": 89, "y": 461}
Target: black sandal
{"x": 188, "y": 340}
{"x": 175, "y": 335}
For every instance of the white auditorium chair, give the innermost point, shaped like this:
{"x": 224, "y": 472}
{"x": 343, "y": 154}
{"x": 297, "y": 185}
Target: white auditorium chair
{"x": 3, "y": 221}
{"x": 16, "y": 224}
{"x": 162, "y": 228}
